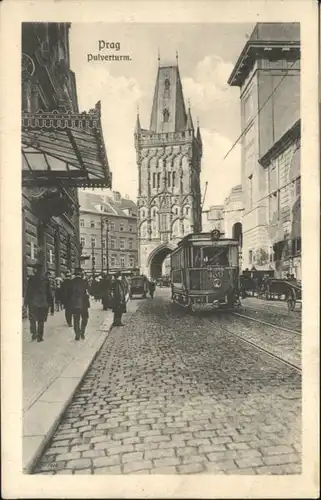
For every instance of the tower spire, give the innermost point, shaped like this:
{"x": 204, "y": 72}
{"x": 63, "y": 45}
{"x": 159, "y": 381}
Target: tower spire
{"x": 189, "y": 121}
{"x": 137, "y": 128}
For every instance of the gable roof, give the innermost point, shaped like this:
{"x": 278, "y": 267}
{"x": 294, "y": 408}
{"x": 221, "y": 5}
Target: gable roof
{"x": 92, "y": 202}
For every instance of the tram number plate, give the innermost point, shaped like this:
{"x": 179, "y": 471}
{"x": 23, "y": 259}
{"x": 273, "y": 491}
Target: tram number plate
{"x": 215, "y": 275}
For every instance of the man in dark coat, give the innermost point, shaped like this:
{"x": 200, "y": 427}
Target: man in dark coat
{"x": 151, "y": 286}
{"x": 106, "y": 292}
{"x": 79, "y": 303}
{"x": 66, "y": 297}
{"x": 119, "y": 300}
{"x": 38, "y": 299}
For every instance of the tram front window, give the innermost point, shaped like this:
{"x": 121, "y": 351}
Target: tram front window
{"x": 215, "y": 257}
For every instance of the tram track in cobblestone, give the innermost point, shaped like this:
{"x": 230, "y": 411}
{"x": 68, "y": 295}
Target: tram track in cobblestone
{"x": 261, "y": 349}
{"x": 273, "y": 325}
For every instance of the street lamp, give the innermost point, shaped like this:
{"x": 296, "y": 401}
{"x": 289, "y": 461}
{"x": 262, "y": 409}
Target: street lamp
{"x": 107, "y": 250}
{"x": 102, "y": 244}
{"x": 93, "y": 257}
{"x": 103, "y": 221}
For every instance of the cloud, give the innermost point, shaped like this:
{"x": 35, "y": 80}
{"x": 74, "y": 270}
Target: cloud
{"x": 220, "y": 174}
{"x": 119, "y": 96}
{"x": 215, "y": 101}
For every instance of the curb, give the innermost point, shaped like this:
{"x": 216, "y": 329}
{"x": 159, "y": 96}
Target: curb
{"x": 52, "y": 410}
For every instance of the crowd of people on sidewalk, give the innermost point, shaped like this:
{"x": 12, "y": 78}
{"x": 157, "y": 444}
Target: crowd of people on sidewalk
{"x": 46, "y": 294}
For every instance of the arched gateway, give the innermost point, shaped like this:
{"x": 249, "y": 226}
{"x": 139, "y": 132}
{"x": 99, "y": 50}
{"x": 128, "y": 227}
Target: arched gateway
{"x": 156, "y": 258}
{"x": 169, "y": 162}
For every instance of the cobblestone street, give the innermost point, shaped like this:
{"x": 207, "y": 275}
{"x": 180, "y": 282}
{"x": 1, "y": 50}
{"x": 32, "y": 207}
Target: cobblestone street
{"x": 172, "y": 393}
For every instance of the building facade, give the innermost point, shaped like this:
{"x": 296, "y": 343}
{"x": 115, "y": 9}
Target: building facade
{"x": 108, "y": 233}
{"x": 213, "y": 218}
{"x": 55, "y": 139}
{"x": 169, "y": 163}
{"x": 268, "y": 74}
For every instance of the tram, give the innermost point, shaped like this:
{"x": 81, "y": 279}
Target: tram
{"x": 205, "y": 271}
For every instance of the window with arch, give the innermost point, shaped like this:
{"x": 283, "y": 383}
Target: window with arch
{"x": 165, "y": 115}
{"x": 154, "y": 180}
{"x": 154, "y": 213}
{"x": 173, "y": 179}
{"x": 158, "y": 180}
{"x": 142, "y": 214}
{"x": 187, "y": 210}
{"x": 167, "y": 86}
{"x": 169, "y": 176}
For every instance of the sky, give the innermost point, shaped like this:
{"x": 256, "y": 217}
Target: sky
{"x": 207, "y": 54}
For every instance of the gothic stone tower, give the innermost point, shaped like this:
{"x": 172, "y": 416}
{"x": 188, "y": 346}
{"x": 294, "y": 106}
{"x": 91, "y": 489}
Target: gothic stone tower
{"x": 169, "y": 164}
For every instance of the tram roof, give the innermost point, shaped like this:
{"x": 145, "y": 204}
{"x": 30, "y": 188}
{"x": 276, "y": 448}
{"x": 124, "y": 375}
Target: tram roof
{"x": 199, "y": 239}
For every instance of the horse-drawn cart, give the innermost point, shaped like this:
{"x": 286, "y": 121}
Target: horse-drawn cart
{"x": 295, "y": 295}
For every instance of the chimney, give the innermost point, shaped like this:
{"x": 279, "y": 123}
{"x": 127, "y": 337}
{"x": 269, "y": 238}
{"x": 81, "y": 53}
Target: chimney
{"x": 116, "y": 196}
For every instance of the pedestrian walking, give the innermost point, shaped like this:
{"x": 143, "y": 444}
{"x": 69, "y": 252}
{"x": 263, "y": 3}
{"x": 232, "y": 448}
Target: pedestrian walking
{"x": 79, "y": 303}
{"x": 106, "y": 292}
{"x": 66, "y": 297}
{"x": 151, "y": 286}
{"x": 119, "y": 300}
{"x": 58, "y": 294}
{"x": 38, "y": 299}
{"x": 52, "y": 285}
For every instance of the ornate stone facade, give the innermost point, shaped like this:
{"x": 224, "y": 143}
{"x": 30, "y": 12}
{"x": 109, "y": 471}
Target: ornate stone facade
{"x": 169, "y": 164}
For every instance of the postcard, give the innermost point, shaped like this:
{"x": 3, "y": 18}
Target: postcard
{"x": 160, "y": 205}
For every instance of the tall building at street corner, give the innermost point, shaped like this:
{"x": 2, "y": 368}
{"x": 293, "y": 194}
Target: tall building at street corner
{"x": 62, "y": 150}
{"x": 268, "y": 75}
{"x": 108, "y": 233}
{"x": 169, "y": 156}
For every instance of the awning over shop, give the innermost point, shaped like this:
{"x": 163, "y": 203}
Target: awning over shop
{"x": 64, "y": 147}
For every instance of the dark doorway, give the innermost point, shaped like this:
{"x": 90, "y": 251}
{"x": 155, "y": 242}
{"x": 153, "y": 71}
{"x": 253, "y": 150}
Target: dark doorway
{"x": 157, "y": 262}
{"x": 237, "y": 232}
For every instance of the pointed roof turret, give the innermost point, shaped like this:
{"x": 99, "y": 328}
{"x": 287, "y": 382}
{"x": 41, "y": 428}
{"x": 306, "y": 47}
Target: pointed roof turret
{"x": 198, "y": 133}
{"x": 168, "y": 111}
{"x": 138, "y": 127}
{"x": 198, "y": 137}
{"x": 189, "y": 122}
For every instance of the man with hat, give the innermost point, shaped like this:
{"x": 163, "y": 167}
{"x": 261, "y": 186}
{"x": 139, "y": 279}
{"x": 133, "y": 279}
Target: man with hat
{"x": 65, "y": 297}
{"x": 38, "y": 299}
{"x": 119, "y": 300}
{"x": 79, "y": 303}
